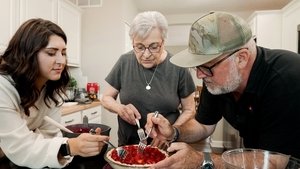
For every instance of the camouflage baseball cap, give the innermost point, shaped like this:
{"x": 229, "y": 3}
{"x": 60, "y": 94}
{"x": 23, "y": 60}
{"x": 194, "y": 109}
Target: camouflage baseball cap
{"x": 211, "y": 36}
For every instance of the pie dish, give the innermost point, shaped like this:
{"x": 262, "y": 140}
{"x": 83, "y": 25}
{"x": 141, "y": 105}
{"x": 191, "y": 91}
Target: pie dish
{"x": 134, "y": 159}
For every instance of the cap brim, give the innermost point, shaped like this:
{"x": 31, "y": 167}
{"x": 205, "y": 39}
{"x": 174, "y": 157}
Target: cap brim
{"x": 187, "y": 59}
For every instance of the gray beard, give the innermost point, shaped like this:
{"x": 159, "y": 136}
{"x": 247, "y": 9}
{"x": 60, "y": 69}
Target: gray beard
{"x": 231, "y": 84}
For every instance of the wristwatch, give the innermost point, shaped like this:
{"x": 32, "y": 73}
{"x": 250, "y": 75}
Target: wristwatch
{"x": 64, "y": 150}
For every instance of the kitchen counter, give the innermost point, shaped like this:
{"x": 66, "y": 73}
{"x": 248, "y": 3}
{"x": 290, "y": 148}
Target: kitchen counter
{"x": 74, "y": 108}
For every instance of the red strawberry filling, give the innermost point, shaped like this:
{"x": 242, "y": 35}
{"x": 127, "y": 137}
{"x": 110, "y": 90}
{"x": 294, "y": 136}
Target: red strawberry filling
{"x": 150, "y": 155}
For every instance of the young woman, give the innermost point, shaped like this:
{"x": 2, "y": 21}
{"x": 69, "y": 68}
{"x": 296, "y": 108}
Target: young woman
{"x": 33, "y": 75}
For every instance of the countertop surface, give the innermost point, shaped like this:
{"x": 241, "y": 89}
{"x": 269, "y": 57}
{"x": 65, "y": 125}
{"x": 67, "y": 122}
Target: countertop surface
{"x": 78, "y": 107}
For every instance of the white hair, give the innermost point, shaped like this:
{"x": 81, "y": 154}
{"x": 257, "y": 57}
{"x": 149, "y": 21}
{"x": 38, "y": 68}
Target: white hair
{"x": 145, "y": 22}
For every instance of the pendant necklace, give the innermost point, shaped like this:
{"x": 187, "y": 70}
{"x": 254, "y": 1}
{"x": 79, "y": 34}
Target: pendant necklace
{"x": 148, "y": 87}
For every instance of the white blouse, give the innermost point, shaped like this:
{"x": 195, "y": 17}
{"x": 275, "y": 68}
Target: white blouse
{"x": 28, "y": 141}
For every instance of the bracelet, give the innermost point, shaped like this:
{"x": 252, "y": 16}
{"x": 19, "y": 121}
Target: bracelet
{"x": 176, "y": 135}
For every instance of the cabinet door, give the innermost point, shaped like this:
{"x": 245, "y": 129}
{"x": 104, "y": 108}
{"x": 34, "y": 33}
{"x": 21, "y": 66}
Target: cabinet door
{"x": 266, "y": 25}
{"x": 74, "y": 118}
{"x": 8, "y": 21}
{"x": 69, "y": 18}
{"x": 46, "y": 9}
{"x": 93, "y": 114}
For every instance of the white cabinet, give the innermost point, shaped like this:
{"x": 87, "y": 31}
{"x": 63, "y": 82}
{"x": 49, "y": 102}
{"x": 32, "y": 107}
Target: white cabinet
{"x": 46, "y": 9}
{"x": 93, "y": 114}
{"x": 14, "y": 12}
{"x": 266, "y": 26}
{"x": 9, "y": 23}
{"x": 69, "y": 18}
{"x": 73, "y": 118}
{"x": 290, "y": 17}
{"x": 277, "y": 28}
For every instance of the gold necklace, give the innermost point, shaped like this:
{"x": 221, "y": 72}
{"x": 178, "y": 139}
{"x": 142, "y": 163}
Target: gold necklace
{"x": 148, "y": 87}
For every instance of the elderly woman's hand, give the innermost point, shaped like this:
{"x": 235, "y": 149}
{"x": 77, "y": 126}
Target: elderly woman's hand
{"x": 129, "y": 113}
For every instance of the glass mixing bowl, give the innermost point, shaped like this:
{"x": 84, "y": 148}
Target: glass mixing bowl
{"x": 254, "y": 159}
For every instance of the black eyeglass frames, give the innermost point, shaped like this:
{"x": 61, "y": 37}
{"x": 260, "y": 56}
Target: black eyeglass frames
{"x": 207, "y": 70}
{"x": 152, "y": 48}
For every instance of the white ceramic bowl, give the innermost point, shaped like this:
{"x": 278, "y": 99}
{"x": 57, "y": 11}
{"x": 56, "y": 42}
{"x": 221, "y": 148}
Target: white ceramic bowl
{"x": 254, "y": 159}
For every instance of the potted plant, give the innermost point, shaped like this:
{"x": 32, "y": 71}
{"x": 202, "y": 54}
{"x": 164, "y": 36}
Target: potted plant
{"x": 70, "y": 89}
{"x": 72, "y": 83}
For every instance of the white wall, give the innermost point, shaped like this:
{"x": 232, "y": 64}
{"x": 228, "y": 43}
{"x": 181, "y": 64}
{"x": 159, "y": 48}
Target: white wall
{"x": 103, "y": 41}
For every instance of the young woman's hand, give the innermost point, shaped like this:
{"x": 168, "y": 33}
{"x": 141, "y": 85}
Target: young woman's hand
{"x": 87, "y": 144}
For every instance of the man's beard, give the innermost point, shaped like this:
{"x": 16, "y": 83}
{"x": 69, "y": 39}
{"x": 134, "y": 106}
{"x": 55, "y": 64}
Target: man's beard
{"x": 231, "y": 84}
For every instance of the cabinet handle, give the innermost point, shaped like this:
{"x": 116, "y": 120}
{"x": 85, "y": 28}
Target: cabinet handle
{"x": 94, "y": 113}
{"x": 69, "y": 121}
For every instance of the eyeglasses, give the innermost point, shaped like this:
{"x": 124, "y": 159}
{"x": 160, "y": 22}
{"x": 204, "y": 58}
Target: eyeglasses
{"x": 152, "y": 48}
{"x": 207, "y": 70}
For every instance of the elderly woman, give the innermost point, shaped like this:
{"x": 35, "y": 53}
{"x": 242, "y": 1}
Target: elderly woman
{"x": 146, "y": 81}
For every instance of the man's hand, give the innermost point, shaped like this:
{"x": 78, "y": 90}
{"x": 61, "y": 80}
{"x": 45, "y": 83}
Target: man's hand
{"x": 162, "y": 129}
{"x": 184, "y": 157}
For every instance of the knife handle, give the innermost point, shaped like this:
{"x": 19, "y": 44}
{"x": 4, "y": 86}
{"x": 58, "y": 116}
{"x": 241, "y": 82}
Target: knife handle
{"x": 207, "y": 163}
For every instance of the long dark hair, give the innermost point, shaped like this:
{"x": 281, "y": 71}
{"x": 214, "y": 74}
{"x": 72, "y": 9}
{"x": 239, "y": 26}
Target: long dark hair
{"x": 20, "y": 62}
